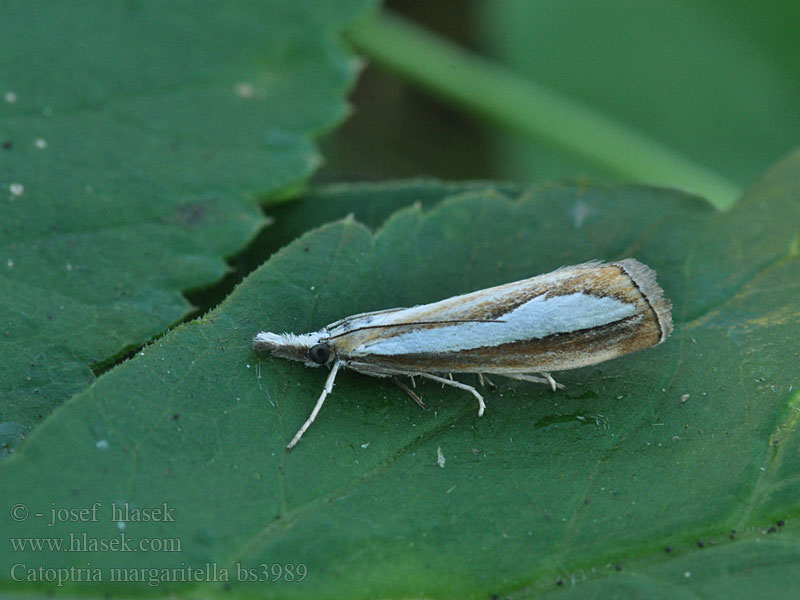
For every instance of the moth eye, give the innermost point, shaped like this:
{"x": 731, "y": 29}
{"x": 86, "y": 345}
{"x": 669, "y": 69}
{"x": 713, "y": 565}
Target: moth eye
{"x": 320, "y": 353}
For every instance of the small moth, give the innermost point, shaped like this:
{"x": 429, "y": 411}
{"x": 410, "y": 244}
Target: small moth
{"x": 573, "y": 317}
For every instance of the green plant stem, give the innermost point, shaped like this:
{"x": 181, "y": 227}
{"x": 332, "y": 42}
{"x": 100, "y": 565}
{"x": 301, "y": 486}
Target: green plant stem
{"x": 496, "y": 93}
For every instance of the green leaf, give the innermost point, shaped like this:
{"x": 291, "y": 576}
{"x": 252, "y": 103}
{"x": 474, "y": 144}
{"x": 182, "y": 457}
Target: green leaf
{"x": 370, "y": 204}
{"x": 135, "y": 139}
{"x": 546, "y": 487}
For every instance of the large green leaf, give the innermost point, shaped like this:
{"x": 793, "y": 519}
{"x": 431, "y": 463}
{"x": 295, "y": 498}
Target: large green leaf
{"x": 135, "y": 138}
{"x": 673, "y": 446}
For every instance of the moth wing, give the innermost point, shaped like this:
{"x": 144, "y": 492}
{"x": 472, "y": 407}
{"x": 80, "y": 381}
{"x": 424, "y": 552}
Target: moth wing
{"x": 607, "y": 307}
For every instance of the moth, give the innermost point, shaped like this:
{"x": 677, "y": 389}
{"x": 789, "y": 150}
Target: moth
{"x": 573, "y": 317}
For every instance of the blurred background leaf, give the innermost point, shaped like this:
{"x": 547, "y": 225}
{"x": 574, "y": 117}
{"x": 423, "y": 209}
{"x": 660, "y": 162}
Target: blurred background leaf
{"x": 716, "y": 81}
{"x": 717, "y": 85}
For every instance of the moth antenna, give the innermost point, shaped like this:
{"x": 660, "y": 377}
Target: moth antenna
{"x": 327, "y": 389}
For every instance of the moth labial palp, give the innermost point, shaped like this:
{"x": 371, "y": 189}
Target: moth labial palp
{"x": 573, "y": 317}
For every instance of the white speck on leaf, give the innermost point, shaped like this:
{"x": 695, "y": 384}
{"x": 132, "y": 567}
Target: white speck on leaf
{"x": 17, "y": 189}
{"x": 245, "y": 90}
{"x": 440, "y": 460}
{"x": 580, "y": 212}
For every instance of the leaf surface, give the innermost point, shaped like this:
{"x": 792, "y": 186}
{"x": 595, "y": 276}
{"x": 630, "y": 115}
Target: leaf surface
{"x": 136, "y": 138}
{"x": 672, "y": 446}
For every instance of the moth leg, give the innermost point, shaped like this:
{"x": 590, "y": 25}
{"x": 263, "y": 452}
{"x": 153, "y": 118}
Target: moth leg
{"x": 485, "y": 378}
{"x": 450, "y": 377}
{"x": 533, "y": 379}
{"x": 461, "y": 386}
{"x": 410, "y": 392}
{"x": 553, "y": 384}
{"x": 327, "y": 389}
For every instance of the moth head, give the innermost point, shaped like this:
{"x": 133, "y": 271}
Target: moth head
{"x": 311, "y": 348}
